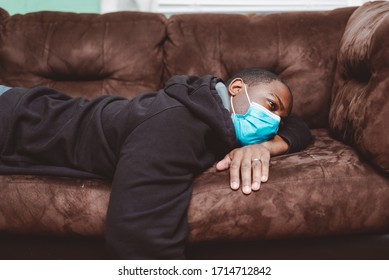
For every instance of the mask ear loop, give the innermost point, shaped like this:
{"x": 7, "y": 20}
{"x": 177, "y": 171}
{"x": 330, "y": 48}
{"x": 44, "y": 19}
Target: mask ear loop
{"x": 232, "y": 105}
{"x": 247, "y": 95}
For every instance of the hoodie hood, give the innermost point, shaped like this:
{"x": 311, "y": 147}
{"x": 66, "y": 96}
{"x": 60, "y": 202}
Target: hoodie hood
{"x": 199, "y": 95}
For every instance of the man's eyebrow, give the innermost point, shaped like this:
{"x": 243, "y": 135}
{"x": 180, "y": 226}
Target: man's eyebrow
{"x": 279, "y": 100}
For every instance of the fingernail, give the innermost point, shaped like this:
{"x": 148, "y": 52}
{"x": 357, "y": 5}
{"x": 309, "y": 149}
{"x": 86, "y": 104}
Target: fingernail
{"x": 255, "y": 186}
{"x": 234, "y": 185}
{"x": 246, "y": 189}
{"x": 263, "y": 178}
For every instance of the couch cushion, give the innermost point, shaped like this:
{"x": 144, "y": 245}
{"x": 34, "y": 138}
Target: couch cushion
{"x": 360, "y": 107}
{"x": 325, "y": 190}
{"x": 53, "y": 205}
{"x": 83, "y": 54}
{"x": 299, "y": 46}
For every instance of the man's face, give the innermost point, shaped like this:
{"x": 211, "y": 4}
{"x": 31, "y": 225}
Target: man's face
{"x": 274, "y": 96}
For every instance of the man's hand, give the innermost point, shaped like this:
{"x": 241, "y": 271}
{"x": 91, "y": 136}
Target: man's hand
{"x": 250, "y": 164}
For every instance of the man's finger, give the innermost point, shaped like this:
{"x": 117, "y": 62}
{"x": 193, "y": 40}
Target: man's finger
{"x": 257, "y": 174}
{"x": 224, "y": 164}
{"x": 235, "y": 167}
{"x": 265, "y": 168}
{"x": 245, "y": 170}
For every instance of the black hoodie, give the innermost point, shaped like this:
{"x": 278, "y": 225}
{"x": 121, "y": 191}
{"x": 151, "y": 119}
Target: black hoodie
{"x": 151, "y": 147}
{"x": 44, "y": 131}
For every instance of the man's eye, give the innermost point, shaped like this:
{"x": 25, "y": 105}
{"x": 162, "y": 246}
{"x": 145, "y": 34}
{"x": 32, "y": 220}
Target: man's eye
{"x": 273, "y": 106}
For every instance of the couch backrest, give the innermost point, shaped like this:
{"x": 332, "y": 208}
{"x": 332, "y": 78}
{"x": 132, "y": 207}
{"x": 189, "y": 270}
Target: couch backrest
{"x": 301, "y": 47}
{"x": 128, "y": 53}
{"x": 83, "y": 54}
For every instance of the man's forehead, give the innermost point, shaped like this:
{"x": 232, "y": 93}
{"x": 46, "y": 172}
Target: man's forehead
{"x": 275, "y": 88}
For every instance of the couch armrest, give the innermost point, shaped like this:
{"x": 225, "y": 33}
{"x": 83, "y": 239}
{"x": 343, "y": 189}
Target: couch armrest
{"x": 360, "y": 104}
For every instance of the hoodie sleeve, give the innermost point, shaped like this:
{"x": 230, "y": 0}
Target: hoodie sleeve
{"x": 296, "y": 133}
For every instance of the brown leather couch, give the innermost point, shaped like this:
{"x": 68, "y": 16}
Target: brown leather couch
{"x": 329, "y": 201}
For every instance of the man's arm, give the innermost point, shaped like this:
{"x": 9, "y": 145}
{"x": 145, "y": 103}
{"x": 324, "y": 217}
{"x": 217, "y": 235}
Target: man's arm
{"x": 251, "y": 163}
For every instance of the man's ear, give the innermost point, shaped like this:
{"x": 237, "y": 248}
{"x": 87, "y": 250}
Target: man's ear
{"x": 235, "y": 86}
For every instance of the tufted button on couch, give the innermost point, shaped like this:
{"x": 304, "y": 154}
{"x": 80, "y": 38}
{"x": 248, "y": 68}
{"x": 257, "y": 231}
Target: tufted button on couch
{"x": 329, "y": 201}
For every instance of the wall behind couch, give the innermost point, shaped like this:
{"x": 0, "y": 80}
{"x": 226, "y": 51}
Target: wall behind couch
{"x": 26, "y": 6}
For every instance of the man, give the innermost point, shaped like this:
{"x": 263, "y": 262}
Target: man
{"x": 151, "y": 147}
{"x": 274, "y": 95}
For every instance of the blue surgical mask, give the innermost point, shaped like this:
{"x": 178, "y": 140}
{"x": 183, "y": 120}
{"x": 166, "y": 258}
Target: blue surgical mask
{"x": 256, "y": 126}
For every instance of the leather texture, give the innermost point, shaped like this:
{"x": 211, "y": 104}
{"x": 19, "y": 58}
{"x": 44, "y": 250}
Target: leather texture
{"x": 336, "y": 63}
{"x": 88, "y": 54}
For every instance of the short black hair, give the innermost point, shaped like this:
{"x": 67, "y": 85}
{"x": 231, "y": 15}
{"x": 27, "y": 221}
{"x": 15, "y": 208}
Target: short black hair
{"x": 255, "y": 76}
